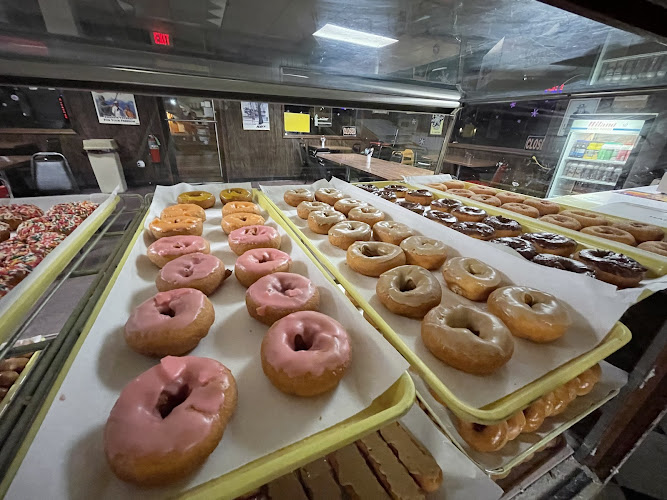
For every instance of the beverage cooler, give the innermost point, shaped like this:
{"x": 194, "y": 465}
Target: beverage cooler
{"x": 598, "y": 153}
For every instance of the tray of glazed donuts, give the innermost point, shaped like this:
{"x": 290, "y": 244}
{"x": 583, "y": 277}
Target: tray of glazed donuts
{"x": 411, "y": 458}
{"x": 13, "y": 371}
{"x": 484, "y": 330}
{"x": 221, "y": 356}
{"x": 529, "y": 238}
{"x": 643, "y": 242}
{"x": 498, "y": 447}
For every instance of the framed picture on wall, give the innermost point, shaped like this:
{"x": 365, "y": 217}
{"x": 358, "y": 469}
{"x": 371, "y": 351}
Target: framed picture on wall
{"x": 115, "y": 108}
{"x": 255, "y": 115}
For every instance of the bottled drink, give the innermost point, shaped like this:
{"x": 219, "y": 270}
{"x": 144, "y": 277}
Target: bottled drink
{"x": 617, "y": 174}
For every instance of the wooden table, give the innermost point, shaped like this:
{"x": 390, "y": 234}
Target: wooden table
{"x": 387, "y": 170}
{"x": 332, "y": 149}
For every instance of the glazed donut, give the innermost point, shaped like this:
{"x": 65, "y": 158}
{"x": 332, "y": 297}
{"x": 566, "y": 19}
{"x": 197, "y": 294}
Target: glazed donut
{"x": 320, "y": 221}
{"x": 176, "y": 226}
{"x": 465, "y": 193}
{"x": 409, "y": 291}
{"x": 202, "y": 198}
{"x": 544, "y": 207}
{"x": 563, "y": 395}
{"x": 437, "y": 185}
{"x": 445, "y": 204}
{"x": 386, "y": 194}
{"x": 586, "y": 218}
{"x": 329, "y": 195}
{"x": 343, "y": 234}
{"x": 168, "y": 420}
{"x": 480, "y": 189}
{"x": 509, "y": 197}
{"x": 346, "y": 204}
{"x": 397, "y": 189}
{"x": 368, "y": 187}
{"x": 13, "y": 364}
{"x": 523, "y": 247}
{"x": 5, "y": 231}
{"x": 305, "y": 353}
{"x": 238, "y": 220}
{"x": 167, "y": 249}
{"x": 169, "y": 323}
{"x": 657, "y": 247}
{"x": 563, "y": 263}
{"x": 413, "y": 207}
{"x": 529, "y": 313}
{"x": 235, "y": 207}
{"x": 423, "y": 251}
{"x": 467, "y": 338}
{"x": 370, "y": 215}
{"x": 562, "y": 221}
{"x": 477, "y": 230}
{"x": 612, "y": 267}
{"x": 304, "y": 208}
{"x": 640, "y": 231}
{"x": 202, "y": 271}
{"x": 504, "y": 226}
{"x": 587, "y": 380}
{"x": 522, "y": 209}
{"x": 484, "y": 438}
{"x": 610, "y": 233}
{"x": 295, "y": 196}
{"x": 421, "y": 196}
{"x": 246, "y": 238}
{"x": 470, "y": 278}
{"x": 441, "y": 217}
{"x": 392, "y": 232}
{"x": 276, "y": 295}
{"x": 259, "y": 262}
{"x": 183, "y": 210}
{"x": 515, "y": 425}
{"x": 469, "y": 214}
{"x": 372, "y": 258}
{"x": 553, "y": 243}
{"x": 235, "y": 194}
{"x": 489, "y": 199}
{"x": 453, "y": 184}
{"x": 535, "y": 414}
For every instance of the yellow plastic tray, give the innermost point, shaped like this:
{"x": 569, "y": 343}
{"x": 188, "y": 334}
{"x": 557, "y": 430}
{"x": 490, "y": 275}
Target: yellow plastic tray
{"x": 30, "y": 295}
{"x": 498, "y": 410}
{"x": 395, "y": 401}
{"x": 656, "y": 264}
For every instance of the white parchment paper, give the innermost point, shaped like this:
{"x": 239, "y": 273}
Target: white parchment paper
{"x": 66, "y": 458}
{"x": 595, "y": 306}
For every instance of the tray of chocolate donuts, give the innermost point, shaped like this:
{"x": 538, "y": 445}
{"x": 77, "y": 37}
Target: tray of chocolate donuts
{"x": 498, "y": 447}
{"x": 220, "y": 356}
{"x": 487, "y": 332}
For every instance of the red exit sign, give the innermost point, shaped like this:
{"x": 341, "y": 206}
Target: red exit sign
{"x": 161, "y": 38}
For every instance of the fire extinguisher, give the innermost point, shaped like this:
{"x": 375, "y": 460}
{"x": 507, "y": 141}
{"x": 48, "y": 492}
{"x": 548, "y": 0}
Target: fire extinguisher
{"x": 154, "y": 148}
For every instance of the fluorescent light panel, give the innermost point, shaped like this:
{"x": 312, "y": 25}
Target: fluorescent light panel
{"x": 333, "y": 32}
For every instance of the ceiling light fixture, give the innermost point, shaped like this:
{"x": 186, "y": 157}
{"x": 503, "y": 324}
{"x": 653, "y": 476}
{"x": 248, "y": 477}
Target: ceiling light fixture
{"x": 333, "y": 32}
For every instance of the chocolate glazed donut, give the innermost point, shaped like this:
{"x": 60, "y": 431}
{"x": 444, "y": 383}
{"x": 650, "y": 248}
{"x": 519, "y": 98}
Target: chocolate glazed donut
{"x": 612, "y": 267}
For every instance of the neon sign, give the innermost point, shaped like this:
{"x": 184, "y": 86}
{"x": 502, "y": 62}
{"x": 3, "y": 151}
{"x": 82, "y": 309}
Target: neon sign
{"x": 558, "y": 89}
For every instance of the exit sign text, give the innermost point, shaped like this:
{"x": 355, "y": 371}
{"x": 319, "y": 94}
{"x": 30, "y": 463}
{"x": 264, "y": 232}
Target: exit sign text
{"x": 161, "y": 38}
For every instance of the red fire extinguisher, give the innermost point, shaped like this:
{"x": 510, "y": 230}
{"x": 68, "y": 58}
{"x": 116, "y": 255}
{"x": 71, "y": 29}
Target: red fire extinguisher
{"x": 154, "y": 148}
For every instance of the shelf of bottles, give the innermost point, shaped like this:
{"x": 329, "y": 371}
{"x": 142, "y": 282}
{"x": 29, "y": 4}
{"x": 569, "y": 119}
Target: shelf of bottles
{"x": 645, "y": 68}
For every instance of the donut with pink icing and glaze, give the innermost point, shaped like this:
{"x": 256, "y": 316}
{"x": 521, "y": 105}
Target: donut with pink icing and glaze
{"x": 305, "y": 353}
{"x": 259, "y": 262}
{"x": 276, "y": 295}
{"x": 202, "y": 271}
{"x": 169, "y": 323}
{"x": 168, "y": 420}
{"x": 171, "y": 247}
{"x": 245, "y": 238}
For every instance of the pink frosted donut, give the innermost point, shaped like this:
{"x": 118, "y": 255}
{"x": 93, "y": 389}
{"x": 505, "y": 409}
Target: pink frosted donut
{"x": 259, "y": 262}
{"x": 306, "y": 353}
{"x": 169, "y": 419}
{"x": 169, "y": 323}
{"x": 246, "y": 238}
{"x": 170, "y": 247}
{"x": 202, "y": 271}
{"x": 276, "y": 295}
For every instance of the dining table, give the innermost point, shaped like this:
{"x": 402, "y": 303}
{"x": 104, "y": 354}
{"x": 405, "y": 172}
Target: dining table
{"x": 382, "y": 169}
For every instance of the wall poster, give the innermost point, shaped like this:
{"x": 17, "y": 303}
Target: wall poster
{"x": 437, "y": 122}
{"x": 115, "y": 108}
{"x": 578, "y": 107}
{"x": 255, "y": 115}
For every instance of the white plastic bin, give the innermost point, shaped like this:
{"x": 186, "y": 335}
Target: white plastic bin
{"x": 103, "y": 156}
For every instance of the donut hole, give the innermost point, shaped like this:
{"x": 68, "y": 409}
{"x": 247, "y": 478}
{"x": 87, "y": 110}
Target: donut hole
{"x": 460, "y": 319}
{"x": 407, "y": 285}
{"x": 478, "y": 427}
{"x": 265, "y": 257}
{"x": 187, "y": 271}
{"x": 165, "y": 310}
{"x": 369, "y": 251}
{"x": 168, "y": 401}
{"x": 302, "y": 343}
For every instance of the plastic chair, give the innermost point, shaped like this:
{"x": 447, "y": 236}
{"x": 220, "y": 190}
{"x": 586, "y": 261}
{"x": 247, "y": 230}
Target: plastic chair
{"x": 397, "y": 157}
{"x": 408, "y": 157}
{"x": 51, "y": 173}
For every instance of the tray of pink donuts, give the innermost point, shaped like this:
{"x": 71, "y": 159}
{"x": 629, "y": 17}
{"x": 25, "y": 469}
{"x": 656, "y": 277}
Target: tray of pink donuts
{"x": 641, "y": 241}
{"x": 221, "y": 355}
{"x": 424, "y": 286}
